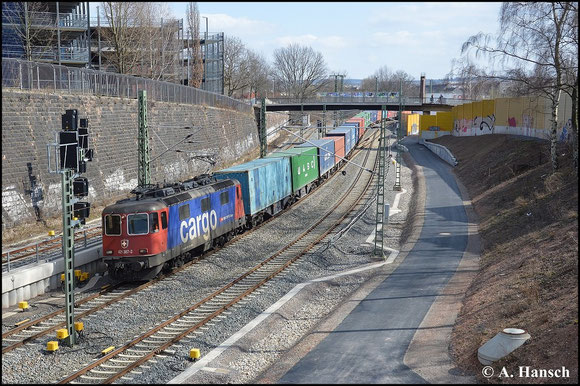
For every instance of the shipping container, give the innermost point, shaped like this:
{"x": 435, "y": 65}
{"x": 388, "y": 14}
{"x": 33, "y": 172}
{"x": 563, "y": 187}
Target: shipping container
{"x": 325, "y": 147}
{"x": 353, "y": 136}
{"x": 361, "y": 129}
{"x": 338, "y": 147}
{"x": 353, "y": 126}
{"x": 264, "y": 181}
{"x": 347, "y": 133}
{"x": 304, "y": 165}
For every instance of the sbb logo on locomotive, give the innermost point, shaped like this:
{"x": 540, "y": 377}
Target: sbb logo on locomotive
{"x": 189, "y": 230}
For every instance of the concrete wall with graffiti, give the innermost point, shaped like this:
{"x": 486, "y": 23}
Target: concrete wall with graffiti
{"x": 528, "y": 116}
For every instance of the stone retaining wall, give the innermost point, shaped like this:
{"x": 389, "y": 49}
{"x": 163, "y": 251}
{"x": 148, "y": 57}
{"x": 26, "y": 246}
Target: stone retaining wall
{"x": 31, "y": 120}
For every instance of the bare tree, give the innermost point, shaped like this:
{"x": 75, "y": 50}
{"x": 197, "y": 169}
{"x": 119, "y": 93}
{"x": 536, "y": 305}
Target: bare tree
{"x": 536, "y": 46}
{"x": 474, "y": 83}
{"x": 28, "y": 22}
{"x": 142, "y": 39}
{"x": 194, "y": 48}
{"x": 299, "y": 70}
{"x": 124, "y": 33}
{"x": 160, "y": 44}
{"x": 236, "y": 66}
{"x": 386, "y": 80}
{"x": 258, "y": 71}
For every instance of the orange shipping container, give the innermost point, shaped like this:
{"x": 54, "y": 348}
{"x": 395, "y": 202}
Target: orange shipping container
{"x": 338, "y": 147}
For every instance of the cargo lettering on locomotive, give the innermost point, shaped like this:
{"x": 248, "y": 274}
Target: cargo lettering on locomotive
{"x": 207, "y": 220}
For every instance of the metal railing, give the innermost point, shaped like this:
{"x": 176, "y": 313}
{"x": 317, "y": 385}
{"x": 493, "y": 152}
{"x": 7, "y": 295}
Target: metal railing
{"x": 47, "y": 53}
{"x": 23, "y": 74}
{"x": 365, "y": 99}
{"x": 45, "y": 19}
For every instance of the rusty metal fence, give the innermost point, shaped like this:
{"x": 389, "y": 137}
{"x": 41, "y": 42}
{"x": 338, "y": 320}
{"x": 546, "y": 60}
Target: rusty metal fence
{"x": 23, "y": 74}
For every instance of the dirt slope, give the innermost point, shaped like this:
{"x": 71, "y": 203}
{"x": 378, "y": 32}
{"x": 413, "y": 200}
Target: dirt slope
{"x": 528, "y": 275}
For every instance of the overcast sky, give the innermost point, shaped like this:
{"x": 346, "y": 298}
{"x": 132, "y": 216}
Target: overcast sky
{"x": 356, "y": 38}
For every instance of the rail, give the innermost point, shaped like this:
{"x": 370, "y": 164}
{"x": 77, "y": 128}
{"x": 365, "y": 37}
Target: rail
{"x": 22, "y": 74}
{"x": 160, "y": 338}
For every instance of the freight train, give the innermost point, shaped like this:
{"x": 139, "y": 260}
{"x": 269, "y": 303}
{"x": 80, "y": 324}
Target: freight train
{"x": 164, "y": 227}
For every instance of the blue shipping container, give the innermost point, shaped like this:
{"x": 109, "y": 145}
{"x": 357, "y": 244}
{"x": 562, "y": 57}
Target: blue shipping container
{"x": 353, "y": 134}
{"x": 346, "y": 133}
{"x": 325, "y": 153}
{"x": 356, "y": 128}
{"x": 264, "y": 181}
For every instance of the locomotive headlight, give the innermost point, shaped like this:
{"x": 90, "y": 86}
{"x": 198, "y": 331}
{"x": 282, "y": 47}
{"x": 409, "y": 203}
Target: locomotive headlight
{"x": 109, "y": 252}
{"x": 143, "y": 251}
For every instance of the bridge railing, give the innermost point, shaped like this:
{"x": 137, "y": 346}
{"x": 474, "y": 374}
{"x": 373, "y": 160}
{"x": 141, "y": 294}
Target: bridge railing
{"x": 364, "y": 99}
{"x": 28, "y": 75}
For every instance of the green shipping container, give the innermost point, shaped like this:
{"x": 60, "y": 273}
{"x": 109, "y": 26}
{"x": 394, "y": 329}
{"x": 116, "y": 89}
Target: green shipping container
{"x": 304, "y": 165}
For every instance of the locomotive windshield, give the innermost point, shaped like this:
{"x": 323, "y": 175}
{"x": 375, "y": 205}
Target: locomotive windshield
{"x": 138, "y": 224}
{"x": 113, "y": 225}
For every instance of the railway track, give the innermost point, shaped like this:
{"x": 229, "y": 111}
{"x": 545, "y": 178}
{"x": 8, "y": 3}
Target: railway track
{"x": 32, "y": 330}
{"x": 126, "y": 359}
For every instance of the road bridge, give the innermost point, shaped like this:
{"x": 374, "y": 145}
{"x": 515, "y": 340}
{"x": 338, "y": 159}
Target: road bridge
{"x": 359, "y": 103}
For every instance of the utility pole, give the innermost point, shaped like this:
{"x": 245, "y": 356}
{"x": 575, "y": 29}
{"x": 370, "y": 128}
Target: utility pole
{"x": 336, "y": 90}
{"x": 399, "y": 128}
{"x": 323, "y": 121}
{"x": 144, "y": 172}
{"x": 262, "y": 130}
{"x": 380, "y": 220}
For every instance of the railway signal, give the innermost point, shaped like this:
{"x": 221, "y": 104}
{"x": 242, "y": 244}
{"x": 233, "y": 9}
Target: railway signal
{"x": 71, "y": 154}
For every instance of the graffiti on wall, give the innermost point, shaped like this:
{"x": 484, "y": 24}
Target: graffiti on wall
{"x": 566, "y": 131}
{"x": 414, "y": 128}
{"x": 485, "y": 123}
{"x": 512, "y": 122}
{"x": 461, "y": 125}
{"x": 35, "y": 192}
{"x": 528, "y": 121}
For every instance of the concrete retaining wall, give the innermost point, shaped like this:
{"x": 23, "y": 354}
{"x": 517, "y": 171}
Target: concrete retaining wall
{"x": 29, "y": 282}
{"x": 441, "y": 151}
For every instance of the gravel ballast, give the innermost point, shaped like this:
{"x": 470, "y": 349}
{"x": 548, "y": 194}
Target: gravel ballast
{"x": 118, "y": 324}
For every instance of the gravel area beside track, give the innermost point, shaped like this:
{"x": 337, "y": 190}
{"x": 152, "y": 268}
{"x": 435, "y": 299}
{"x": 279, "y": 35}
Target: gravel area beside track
{"x": 130, "y": 318}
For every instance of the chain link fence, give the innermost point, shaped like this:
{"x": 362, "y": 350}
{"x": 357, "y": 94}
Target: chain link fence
{"x": 27, "y": 75}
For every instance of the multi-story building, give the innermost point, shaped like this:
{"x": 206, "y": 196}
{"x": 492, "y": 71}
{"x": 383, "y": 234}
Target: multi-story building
{"x": 66, "y": 33}
{"x": 50, "y": 32}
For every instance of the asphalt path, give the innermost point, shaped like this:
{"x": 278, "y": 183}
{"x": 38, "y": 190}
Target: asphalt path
{"x": 369, "y": 345}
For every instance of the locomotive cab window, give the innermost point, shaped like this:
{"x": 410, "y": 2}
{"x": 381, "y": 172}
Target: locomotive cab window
{"x": 205, "y": 204}
{"x": 138, "y": 224}
{"x": 183, "y": 212}
{"x": 112, "y": 225}
{"x": 224, "y": 198}
{"x": 163, "y": 220}
{"x": 153, "y": 222}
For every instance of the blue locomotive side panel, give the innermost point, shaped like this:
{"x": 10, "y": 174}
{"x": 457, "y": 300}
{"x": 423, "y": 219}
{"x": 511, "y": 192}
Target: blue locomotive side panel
{"x": 189, "y": 225}
{"x": 325, "y": 153}
{"x": 263, "y": 181}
